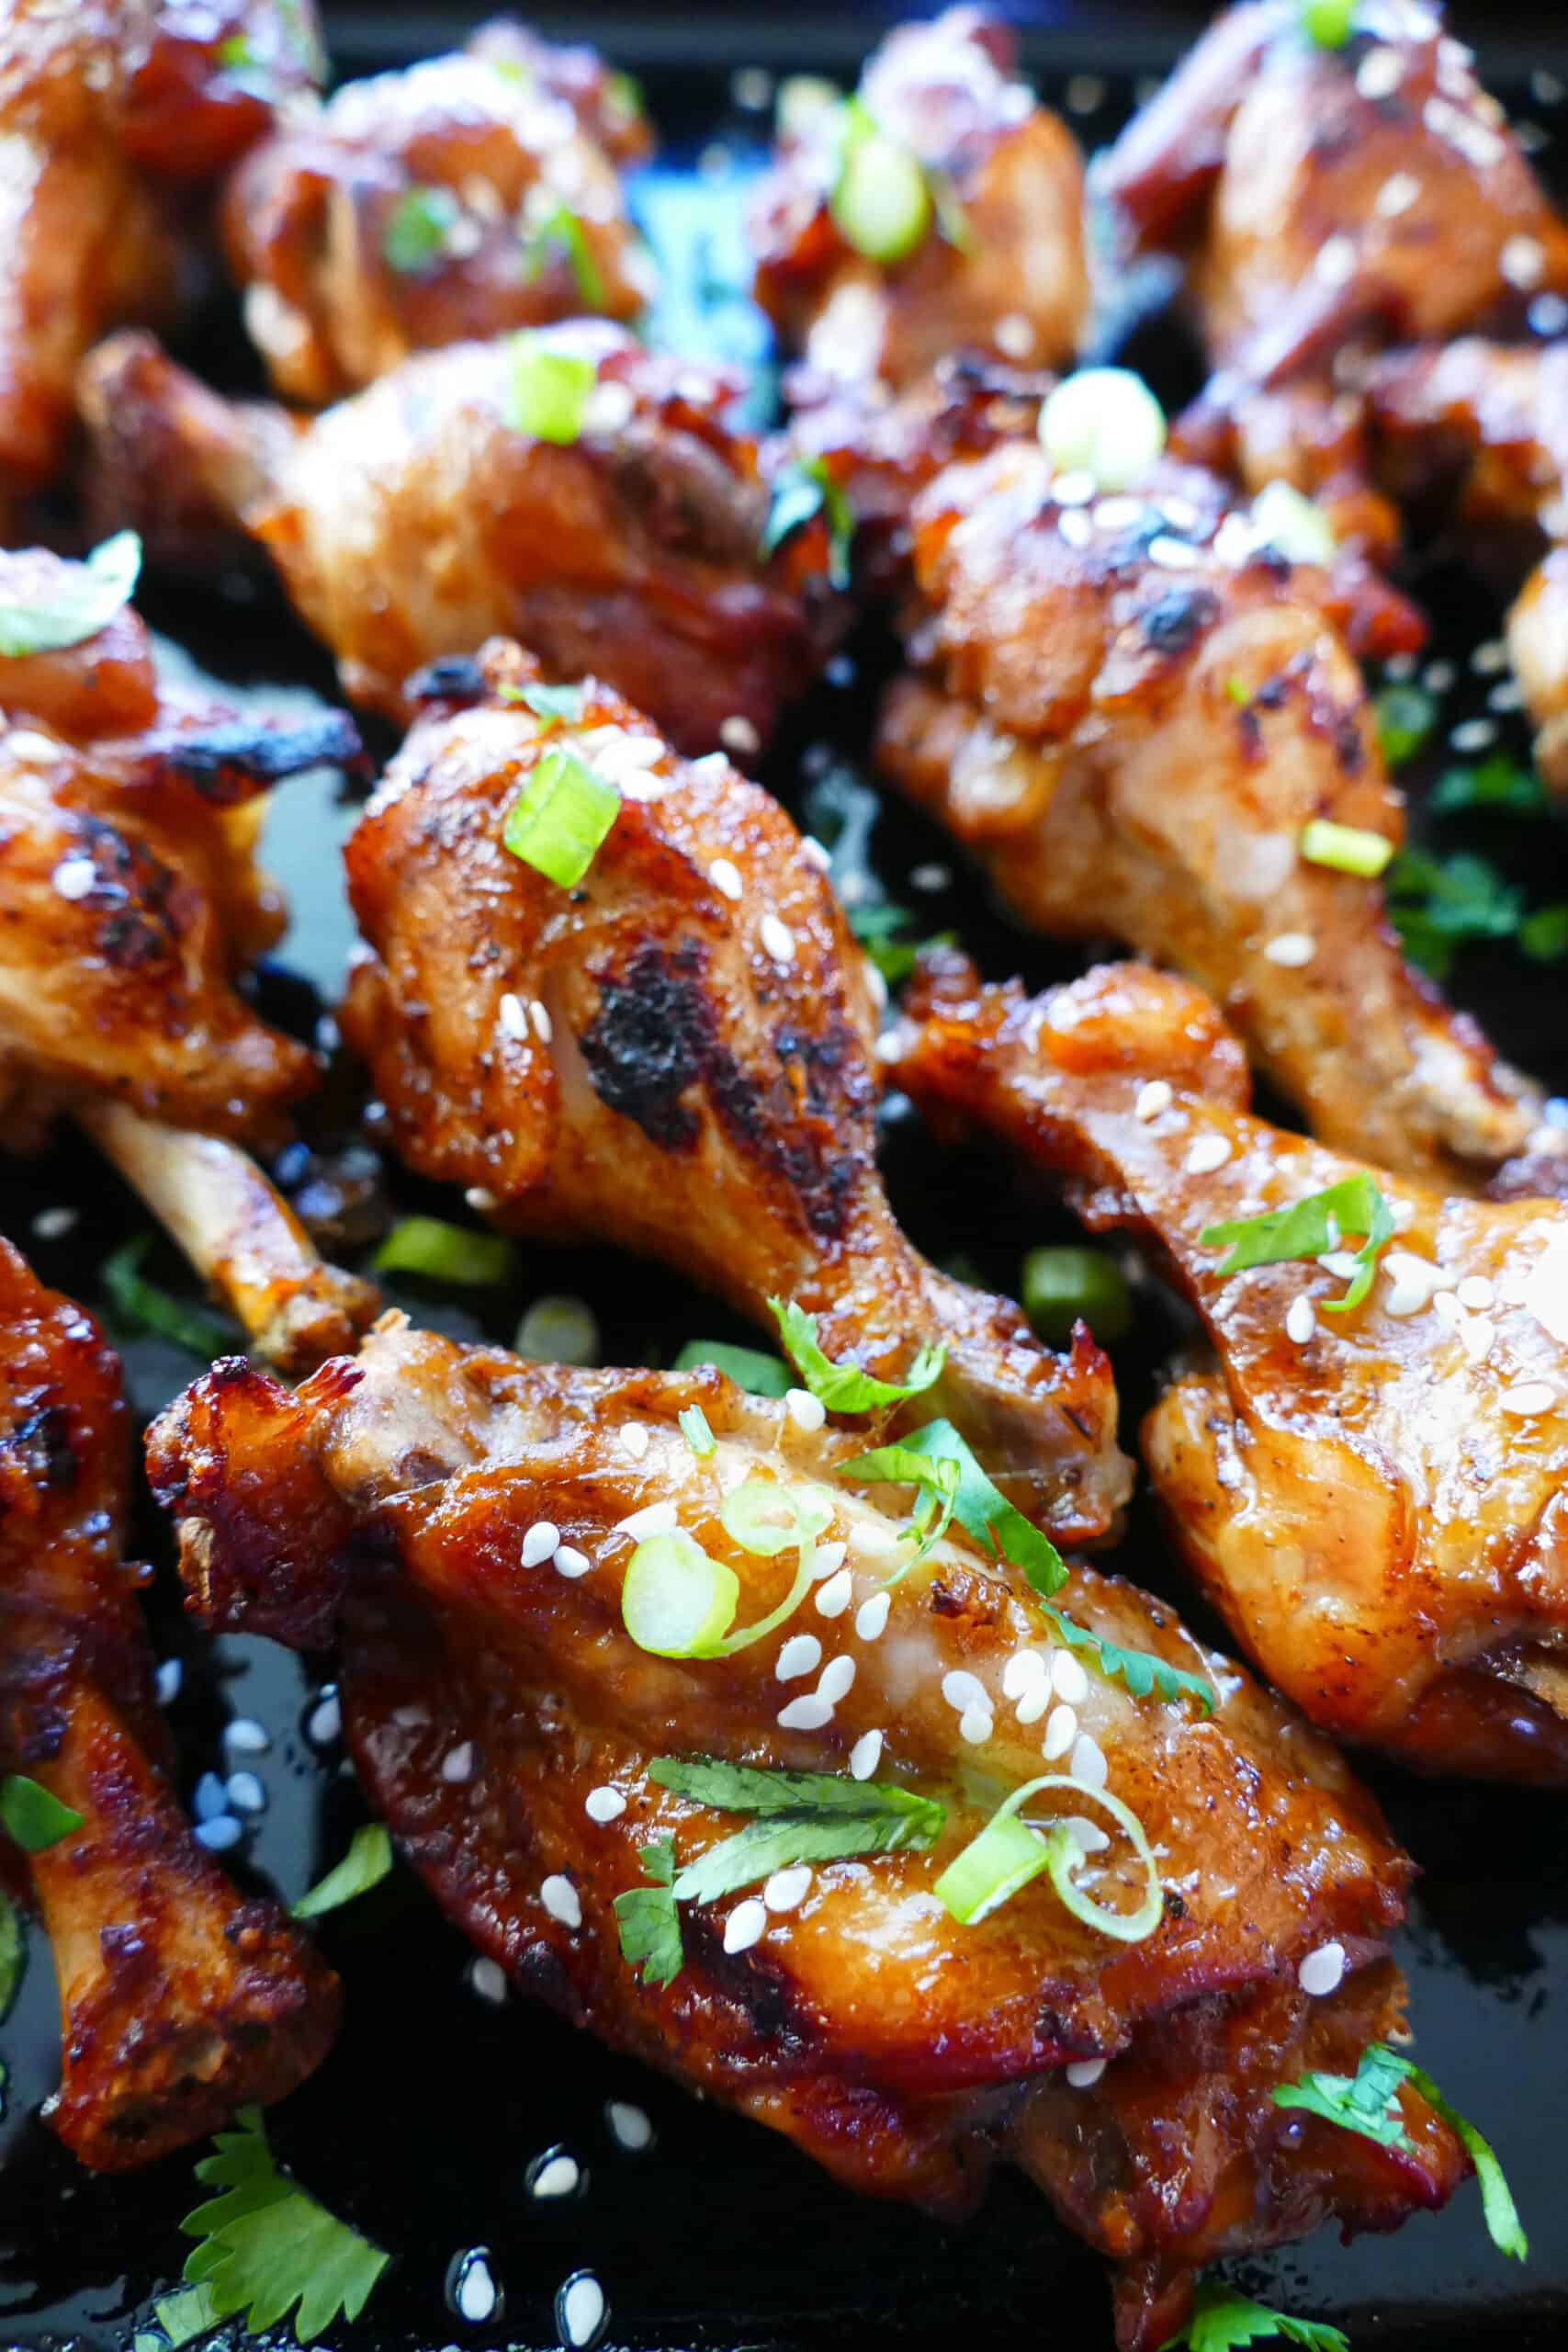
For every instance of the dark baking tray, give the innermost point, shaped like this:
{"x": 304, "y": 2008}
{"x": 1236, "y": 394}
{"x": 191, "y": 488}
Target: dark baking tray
{"x": 423, "y": 2123}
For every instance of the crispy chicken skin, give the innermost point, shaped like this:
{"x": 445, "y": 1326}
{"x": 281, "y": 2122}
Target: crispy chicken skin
{"x": 414, "y": 520}
{"x": 1326, "y": 203}
{"x": 179, "y": 2000}
{"x": 110, "y": 111}
{"x": 1379, "y": 1511}
{"x": 481, "y": 150}
{"x": 1014, "y": 285}
{"x": 1484, "y": 425}
{"x": 676, "y": 1056}
{"x": 1129, "y": 715}
{"x": 386, "y": 1504}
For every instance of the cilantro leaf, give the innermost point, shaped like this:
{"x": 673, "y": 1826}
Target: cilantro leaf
{"x": 1366, "y": 2102}
{"x": 979, "y": 1507}
{"x": 13, "y": 1954}
{"x": 1497, "y": 782}
{"x": 32, "y": 1815}
{"x": 141, "y": 1306}
{"x": 556, "y": 706}
{"x": 804, "y": 1817}
{"x": 755, "y": 1787}
{"x": 759, "y": 1375}
{"x": 82, "y": 603}
{"x": 648, "y": 1920}
{"x": 266, "y": 2246}
{"x": 1222, "y": 2320}
{"x": 1440, "y": 905}
{"x": 1543, "y": 936}
{"x": 1141, "y": 1670}
{"x": 1405, "y": 716}
{"x": 417, "y": 227}
{"x": 1309, "y": 1228}
{"x": 801, "y": 491}
{"x": 561, "y": 233}
{"x": 844, "y": 1388}
{"x": 1503, "y": 2224}
{"x": 880, "y": 931}
{"x": 366, "y": 1864}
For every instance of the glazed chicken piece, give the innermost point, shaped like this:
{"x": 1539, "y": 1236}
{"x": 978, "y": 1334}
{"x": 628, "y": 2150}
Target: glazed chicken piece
{"x": 130, "y": 903}
{"x": 1374, "y": 1499}
{"x": 1483, "y": 427}
{"x": 418, "y": 518}
{"x": 675, "y": 1055}
{"x": 462, "y": 196}
{"x": 1325, "y": 204}
{"x": 115, "y": 113}
{"x": 179, "y": 2000}
{"x": 1001, "y": 267}
{"x": 386, "y": 1505}
{"x": 1129, "y": 713}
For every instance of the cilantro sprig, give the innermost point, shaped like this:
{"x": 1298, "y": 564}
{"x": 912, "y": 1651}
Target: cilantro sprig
{"x": 882, "y": 930}
{"x": 143, "y": 1306}
{"x": 1222, "y": 2320}
{"x": 1310, "y": 1228}
{"x": 1141, "y": 1670}
{"x": 34, "y": 1816}
{"x": 952, "y": 1485}
{"x": 801, "y": 491}
{"x": 844, "y": 1388}
{"x": 266, "y": 2247}
{"x": 366, "y": 1863}
{"x": 649, "y": 1921}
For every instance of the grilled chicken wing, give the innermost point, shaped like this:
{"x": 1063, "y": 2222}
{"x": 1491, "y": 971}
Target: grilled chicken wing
{"x": 416, "y": 519}
{"x": 457, "y": 198}
{"x": 130, "y": 901}
{"x": 179, "y": 2000}
{"x": 1129, "y": 714}
{"x": 388, "y": 1503}
{"x": 1012, "y": 281}
{"x": 109, "y": 109}
{"x": 1326, "y": 203}
{"x": 676, "y": 1056}
{"x": 1376, "y": 1500}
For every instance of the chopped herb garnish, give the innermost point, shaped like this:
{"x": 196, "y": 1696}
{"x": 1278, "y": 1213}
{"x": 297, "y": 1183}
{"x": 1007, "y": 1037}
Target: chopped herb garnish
{"x": 1438, "y": 905}
{"x": 844, "y": 1388}
{"x": 551, "y": 390}
{"x": 560, "y": 817}
{"x": 33, "y": 1816}
{"x": 561, "y": 234}
{"x": 1328, "y": 22}
{"x": 182, "y": 2317}
{"x": 556, "y": 706}
{"x": 802, "y": 491}
{"x": 1223, "y": 2321}
{"x": 446, "y": 1253}
{"x": 970, "y": 1497}
{"x": 266, "y": 2246}
{"x": 1405, "y": 716}
{"x": 677, "y": 1601}
{"x": 803, "y": 1817}
{"x": 1543, "y": 936}
{"x": 417, "y": 229}
{"x": 1498, "y": 782}
{"x": 1059, "y": 1287}
{"x": 1311, "y": 1228}
{"x": 1240, "y": 692}
{"x": 650, "y": 1922}
{"x": 759, "y": 1375}
{"x": 1008, "y": 1854}
{"x": 695, "y": 1429}
{"x": 881, "y": 199}
{"x": 1348, "y": 849}
{"x": 366, "y": 1864}
{"x": 83, "y": 600}
{"x": 13, "y": 1954}
{"x": 143, "y": 1306}
{"x": 1104, "y": 421}
{"x": 1141, "y": 1670}
{"x": 880, "y": 930}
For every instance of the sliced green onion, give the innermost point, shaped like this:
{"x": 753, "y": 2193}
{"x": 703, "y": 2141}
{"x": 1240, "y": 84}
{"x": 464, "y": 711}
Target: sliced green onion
{"x": 141, "y": 1306}
{"x": 1329, "y": 23}
{"x": 445, "y": 1253}
{"x": 366, "y": 1864}
{"x": 559, "y": 1330}
{"x": 980, "y": 1885}
{"x": 551, "y": 390}
{"x": 556, "y": 706}
{"x": 417, "y": 229}
{"x": 759, "y": 1375}
{"x": 1348, "y": 849}
{"x": 751, "y": 1518}
{"x": 880, "y": 201}
{"x": 1060, "y": 1285}
{"x": 83, "y": 600}
{"x": 1104, "y": 421}
{"x": 13, "y": 1954}
{"x": 676, "y": 1601}
{"x": 560, "y": 817}
{"x": 35, "y": 1819}
{"x": 1284, "y": 520}
{"x": 1405, "y": 716}
{"x": 563, "y": 232}
{"x": 695, "y": 1429}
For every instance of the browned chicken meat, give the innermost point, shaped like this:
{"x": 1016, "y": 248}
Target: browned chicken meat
{"x": 464, "y": 196}
{"x": 1326, "y": 203}
{"x": 112, "y": 112}
{"x": 1130, "y": 713}
{"x": 179, "y": 2001}
{"x": 588, "y": 495}
{"x": 1482, "y": 428}
{"x": 675, "y": 1054}
{"x": 130, "y": 903}
{"x": 990, "y": 185}
{"x": 1373, "y": 1496}
{"x": 465, "y": 1528}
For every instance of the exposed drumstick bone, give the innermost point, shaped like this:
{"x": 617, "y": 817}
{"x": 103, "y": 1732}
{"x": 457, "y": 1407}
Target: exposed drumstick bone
{"x": 241, "y": 1236}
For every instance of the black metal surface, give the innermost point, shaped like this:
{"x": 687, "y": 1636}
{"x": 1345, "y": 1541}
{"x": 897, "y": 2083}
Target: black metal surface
{"x": 423, "y": 2124}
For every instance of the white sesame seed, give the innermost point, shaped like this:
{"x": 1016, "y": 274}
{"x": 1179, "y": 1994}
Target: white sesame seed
{"x": 219, "y": 1833}
{"x": 976, "y": 1725}
{"x": 931, "y": 876}
{"x": 540, "y": 1542}
{"x": 1090, "y": 1837}
{"x": 1153, "y": 1098}
{"x": 1397, "y": 194}
{"x": 865, "y": 1756}
{"x": 804, "y": 1715}
{"x": 634, "y": 1439}
{"x": 1438, "y": 676}
{"x": 557, "y": 2176}
{"x": 604, "y": 1803}
{"x": 1075, "y": 527}
{"x": 1301, "y": 1320}
{"x": 1528, "y": 1397}
{"x": 208, "y": 1798}
{"x": 1411, "y": 1280}
{"x": 786, "y": 1890}
{"x": 806, "y": 1411}
{"x": 1033, "y": 1703}
{"x": 738, "y": 734}
{"x": 872, "y": 1616}
{"x": 829, "y": 1557}
{"x": 513, "y": 1020}
{"x": 488, "y": 1978}
{"x": 580, "y": 2309}
{"x": 1169, "y": 554}
{"x": 569, "y": 1563}
{"x": 457, "y": 1764}
{"x": 726, "y": 876}
{"x": 1523, "y": 263}
{"x": 1477, "y": 1334}
{"x": 1548, "y": 315}
{"x": 1075, "y": 489}
{"x": 480, "y": 1199}
{"x": 1089, "y": 1761}
{"x": 1335, "y": 262}
{"x": 813, "y": 850}
{"x": 1084, "y": 2072}
{"x": 1380, "y": 73}
{"x": 1060, "y": 1733}
{"x": 1473, "y": 734}
{"x": 1291, "y": 948}
{"x": 1506, "y": 694}
{"x": 837, "y": 1681}
{"x": 246, "y": 1793}
{"x": 1014, "y": 336}
{"x": 476, "y": 2295}
{"x": 1341, "y": 1263}
{"x": 1490, "y": 658}
{"x": 777, "y": 939}
{"x": 653, "y": 1519}
{"x": 1117, "y": 514}
{"x": 1024, "y": 1670}
{"x": 1322, "y": 1970}
{"x": 560, "y": 1900}
{"x": 746, "y": 1925}
{"x": 630, "y": 2127}
{"x": 800, "y": 1655}
{"x": 961, "y": 1688}
{"x": 171, "y": 1674}
{"x": 1085, "y": 92}
{"x": 74, "y": 877}
{"x": 1447, "y": 1309}
{"x": 1476, "y": 1292}
{"x": 1071, "y": 1681}
{"x": 540, "y": 1016}
{"x": 1206, "y": 1154}
{"x": 325, "y": 1722}
{"x": 834, "y": 1597}
{"x": 608, "y": 408}
{"x": 53, "y": 1225}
